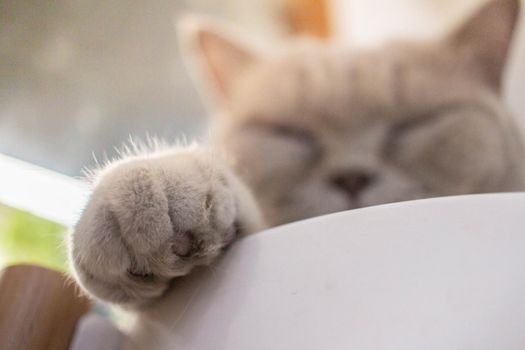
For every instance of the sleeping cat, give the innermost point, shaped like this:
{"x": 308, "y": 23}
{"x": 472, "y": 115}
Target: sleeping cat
{"x": 301, "y": 132}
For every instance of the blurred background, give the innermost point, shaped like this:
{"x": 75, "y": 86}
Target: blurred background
{"x": 79, "y": 77}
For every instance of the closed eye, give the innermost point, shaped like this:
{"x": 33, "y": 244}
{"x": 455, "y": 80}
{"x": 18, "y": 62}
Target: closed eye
{"x": 296, "y": 133}
{"x": 302, "y": 136}
{"x": 427, "y": 119}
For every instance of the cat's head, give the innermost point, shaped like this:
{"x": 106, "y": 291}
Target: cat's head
{"x": 315, "y": 129}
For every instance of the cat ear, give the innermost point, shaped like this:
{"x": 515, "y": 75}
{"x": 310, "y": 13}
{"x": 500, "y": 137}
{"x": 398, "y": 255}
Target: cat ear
{"x": 486, "y": 37}
{"x": 218, "y": 56}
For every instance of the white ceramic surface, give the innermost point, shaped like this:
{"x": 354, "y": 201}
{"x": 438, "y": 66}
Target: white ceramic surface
{"x": 433, "y": 274}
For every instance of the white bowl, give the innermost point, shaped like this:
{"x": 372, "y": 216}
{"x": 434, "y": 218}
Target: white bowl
{"x": 444, "y": 273}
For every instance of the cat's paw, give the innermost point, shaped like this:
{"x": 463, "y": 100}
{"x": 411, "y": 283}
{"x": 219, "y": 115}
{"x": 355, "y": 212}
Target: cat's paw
{"x": 154, "y": 218}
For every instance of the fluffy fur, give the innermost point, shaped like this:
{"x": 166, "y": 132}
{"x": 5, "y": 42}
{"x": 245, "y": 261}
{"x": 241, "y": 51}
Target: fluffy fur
{"x": 305, "y": 131}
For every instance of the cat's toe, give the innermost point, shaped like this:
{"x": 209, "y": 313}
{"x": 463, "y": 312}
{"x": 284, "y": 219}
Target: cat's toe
{"x": 144, "y": 226}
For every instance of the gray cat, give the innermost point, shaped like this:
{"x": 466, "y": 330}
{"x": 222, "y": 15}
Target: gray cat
{"x": 301, "y": 132}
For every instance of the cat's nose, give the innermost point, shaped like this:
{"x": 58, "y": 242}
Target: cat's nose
{"x": 353, "y": 181}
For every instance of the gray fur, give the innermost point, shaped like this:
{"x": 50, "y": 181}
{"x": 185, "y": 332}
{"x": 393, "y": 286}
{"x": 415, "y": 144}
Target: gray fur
{"x": 305, "y": 131}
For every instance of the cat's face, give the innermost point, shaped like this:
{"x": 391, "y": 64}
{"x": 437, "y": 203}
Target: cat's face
{"x": 314, "y": 129}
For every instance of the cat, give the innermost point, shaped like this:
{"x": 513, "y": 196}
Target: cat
{"x": 308, "y": 130}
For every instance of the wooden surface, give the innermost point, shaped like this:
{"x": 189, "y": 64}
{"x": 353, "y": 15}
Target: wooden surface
{"x": 39, "y": 309}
